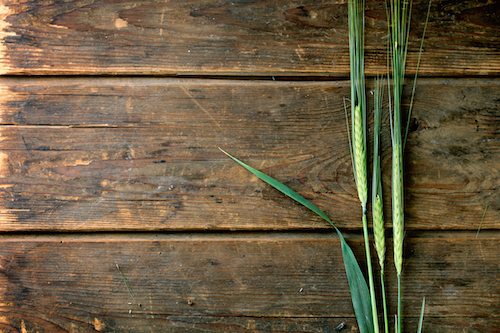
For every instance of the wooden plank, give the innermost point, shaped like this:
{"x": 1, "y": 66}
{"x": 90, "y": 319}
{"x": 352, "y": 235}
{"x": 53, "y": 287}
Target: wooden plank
{"x": 213, "y": 37}
{"x": 232, "y": 283}
{"x": 187, "y": 324}
{"x": 141, "y": 154}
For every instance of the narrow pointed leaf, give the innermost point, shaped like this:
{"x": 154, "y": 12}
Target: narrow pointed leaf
{"x": 282, "y": 188}
{"x": 421, "y": 321}
{"x": 360, "y": 293}
{"x": 357, "y": 284}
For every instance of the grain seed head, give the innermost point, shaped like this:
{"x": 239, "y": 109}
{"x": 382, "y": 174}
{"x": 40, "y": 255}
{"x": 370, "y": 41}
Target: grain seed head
{"x": 378, "y": 230}
{"x": 359, "y": 153}
{"x": 397, "y": 206}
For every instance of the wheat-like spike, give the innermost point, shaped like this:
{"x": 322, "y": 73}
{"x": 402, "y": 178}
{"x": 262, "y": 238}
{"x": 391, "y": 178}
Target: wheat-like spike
{"x": 397, "y": 206}
{"x": 378, "y": 230}
{"x": 360, "y": 156}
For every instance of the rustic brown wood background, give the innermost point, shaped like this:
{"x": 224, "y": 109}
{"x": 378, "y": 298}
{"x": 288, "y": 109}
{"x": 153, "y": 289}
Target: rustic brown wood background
{"x": 119, "y": 214}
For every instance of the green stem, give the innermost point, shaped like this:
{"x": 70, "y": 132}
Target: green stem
{"x": 370, "y": 273}
{"x": 382, "y": 284}
{"x": 399, "y": 304}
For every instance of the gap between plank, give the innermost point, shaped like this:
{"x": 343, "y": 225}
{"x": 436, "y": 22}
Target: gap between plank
{"x": 286, "y": 78}
{"x": 141, "y": 236}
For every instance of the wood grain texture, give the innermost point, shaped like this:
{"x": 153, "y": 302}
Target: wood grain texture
{"x": 141, "y": 154}
{"x": 83, "y": 156}
{"x": 213, "y": 37}
{"x": 231, "y": 283}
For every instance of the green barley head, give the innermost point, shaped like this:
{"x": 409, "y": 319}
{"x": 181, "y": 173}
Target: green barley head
{"x": 359, "y": 153}
{"x": 378, "y": 230}
{"x": 397, "y": 206}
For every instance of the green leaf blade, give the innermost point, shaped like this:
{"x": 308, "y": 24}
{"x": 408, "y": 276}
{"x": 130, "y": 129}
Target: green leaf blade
{"x": 360, "y": 294}
{"x": 421, "y": 320}
{"x": 282, "y": 188}
{"x": 358, "y": 287}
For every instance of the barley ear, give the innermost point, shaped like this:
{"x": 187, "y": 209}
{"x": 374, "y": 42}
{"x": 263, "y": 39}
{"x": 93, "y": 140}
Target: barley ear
{"x": 378, "y": 230}
{"x": 359, "y": 152}
{"x": 397, "y": 206}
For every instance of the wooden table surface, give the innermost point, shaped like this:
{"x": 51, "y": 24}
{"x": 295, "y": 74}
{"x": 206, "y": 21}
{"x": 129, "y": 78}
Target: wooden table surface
{"x": 119, "y": 213}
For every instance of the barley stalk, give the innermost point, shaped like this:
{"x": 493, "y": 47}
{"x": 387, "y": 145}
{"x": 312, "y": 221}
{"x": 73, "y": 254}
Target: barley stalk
{"x": 356, "y": 22}
{"x": 377, "y": 205}
{"x": 398, "y": 219}
{"x": 399, "y": 18}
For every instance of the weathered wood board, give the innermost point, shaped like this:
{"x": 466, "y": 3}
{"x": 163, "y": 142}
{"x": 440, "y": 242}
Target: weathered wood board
{"x": 232, "y": 283}
{"x": 141, "y": 154}
{"x": 212, "y": 37}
